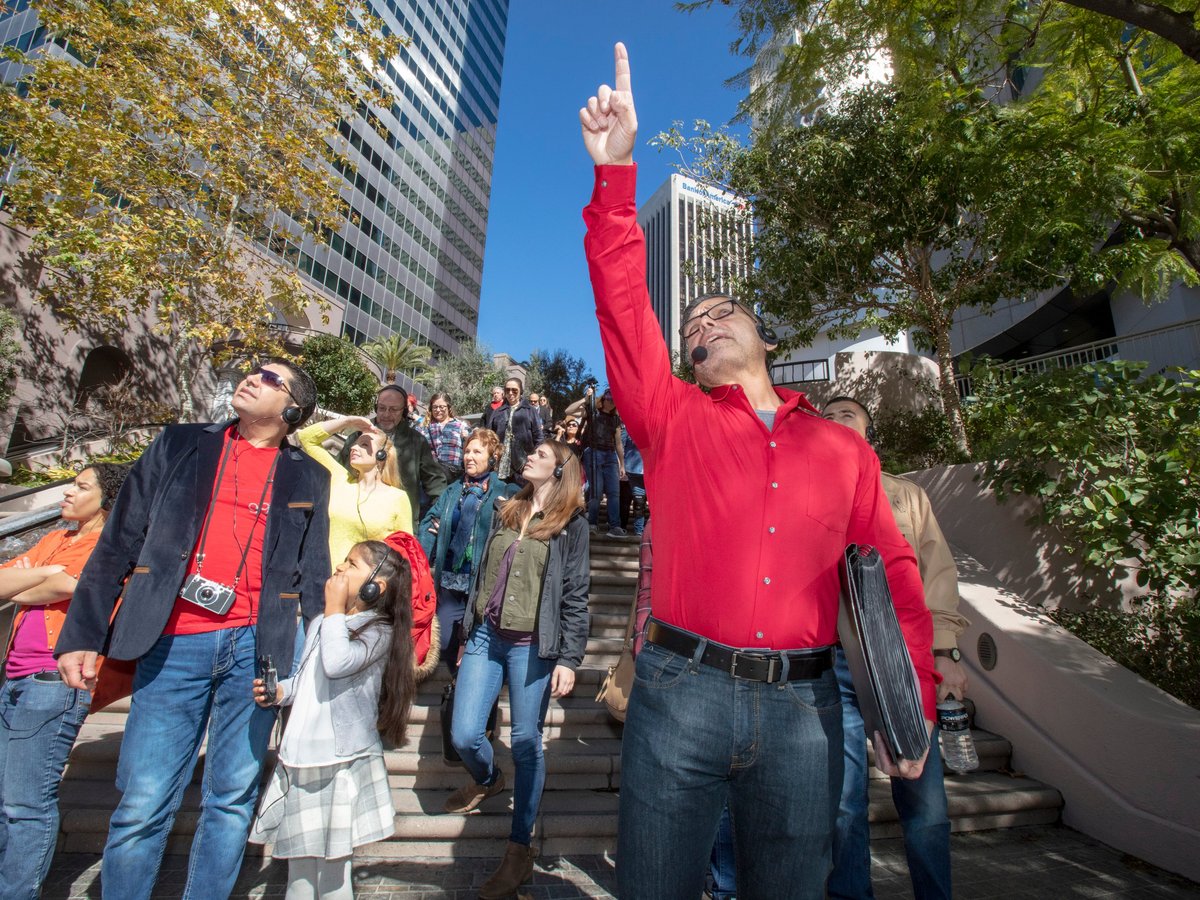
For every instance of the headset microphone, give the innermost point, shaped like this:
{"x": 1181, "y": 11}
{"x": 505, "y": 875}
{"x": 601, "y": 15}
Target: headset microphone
{"x": 699, "y": 355}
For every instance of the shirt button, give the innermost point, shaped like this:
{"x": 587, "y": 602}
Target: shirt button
{"x": 772, "y": 443}
{"x": 604, "y": 184}
{"x": 774, "y": 484}
{"x": 510, "y": 600}
{"x": 771, "y": 530}
{"x": 758, "y": 635}
{"x": 766, "y": 581}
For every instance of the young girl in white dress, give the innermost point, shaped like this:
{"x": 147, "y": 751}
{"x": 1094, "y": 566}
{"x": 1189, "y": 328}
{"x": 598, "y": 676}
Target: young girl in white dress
{"x": 355, "y": 683}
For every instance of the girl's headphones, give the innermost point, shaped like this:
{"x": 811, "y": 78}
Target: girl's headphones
{"x": 370, "y": 590}
{"x": 558, "y": 470}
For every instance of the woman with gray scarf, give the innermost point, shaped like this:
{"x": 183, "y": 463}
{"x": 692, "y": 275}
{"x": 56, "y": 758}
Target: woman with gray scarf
{"x": 454, "y": 531}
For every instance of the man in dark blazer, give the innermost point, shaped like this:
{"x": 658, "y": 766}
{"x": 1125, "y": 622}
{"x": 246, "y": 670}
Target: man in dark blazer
{"x": 217, "y": 540}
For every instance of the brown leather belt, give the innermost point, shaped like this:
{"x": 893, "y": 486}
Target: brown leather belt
{"x": 752, "y": 665}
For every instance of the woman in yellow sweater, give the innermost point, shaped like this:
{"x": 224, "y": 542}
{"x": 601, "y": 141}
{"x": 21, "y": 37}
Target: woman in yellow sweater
{"x": 366, "y": 502}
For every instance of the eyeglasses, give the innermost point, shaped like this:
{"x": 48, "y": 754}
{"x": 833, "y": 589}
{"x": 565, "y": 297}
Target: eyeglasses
{"x": 438, "y": 406}
{"x": 272, "y": 379}
{"x": 389, "y": 409}
{"x": 717, "y": 311}
{"x": 512, "y": 390}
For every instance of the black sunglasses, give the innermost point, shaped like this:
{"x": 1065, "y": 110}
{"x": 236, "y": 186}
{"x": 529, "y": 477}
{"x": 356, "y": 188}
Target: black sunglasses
{"x": 273, "y": 379}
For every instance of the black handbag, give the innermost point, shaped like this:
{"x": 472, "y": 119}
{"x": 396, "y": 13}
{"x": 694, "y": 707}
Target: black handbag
{"x": 449, "y": 754}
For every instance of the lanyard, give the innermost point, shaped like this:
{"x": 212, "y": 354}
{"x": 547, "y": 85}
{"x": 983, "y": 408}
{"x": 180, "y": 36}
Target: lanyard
{"x": 211, "y": 503}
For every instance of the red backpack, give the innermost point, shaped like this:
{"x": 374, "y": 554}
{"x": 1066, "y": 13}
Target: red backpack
{"x": 426, "y": 639}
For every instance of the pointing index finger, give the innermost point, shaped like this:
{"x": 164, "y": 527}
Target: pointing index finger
{"x": 621, "y": 58}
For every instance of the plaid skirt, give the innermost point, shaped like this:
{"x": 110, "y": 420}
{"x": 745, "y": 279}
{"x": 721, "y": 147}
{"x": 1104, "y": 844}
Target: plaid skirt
{"x": 325, "y": 811}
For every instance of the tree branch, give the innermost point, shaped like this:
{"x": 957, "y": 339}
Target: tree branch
{"x": 1177, "y": 27}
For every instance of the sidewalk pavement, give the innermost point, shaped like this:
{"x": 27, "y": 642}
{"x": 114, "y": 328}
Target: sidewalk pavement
{"x": 1031, "y": 863}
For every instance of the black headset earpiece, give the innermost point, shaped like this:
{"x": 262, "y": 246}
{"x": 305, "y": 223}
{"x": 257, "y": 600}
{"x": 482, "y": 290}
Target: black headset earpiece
{"x": 293, "y": 415}
{"x": 872, "y": 434}
{"x": 765, "y": 332}
{"x": 370, "y": 591}
{"x": 381, "y": 454}
{"x": 558, "y": 470}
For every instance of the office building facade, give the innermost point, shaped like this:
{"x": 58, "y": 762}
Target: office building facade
{"x": 697, "y": 242}
{"x": 409, "y": 258}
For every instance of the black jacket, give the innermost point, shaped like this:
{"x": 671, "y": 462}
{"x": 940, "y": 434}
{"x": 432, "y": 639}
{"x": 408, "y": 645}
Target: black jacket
{"x": 563, "y": 620}
{"x": 143, "y": 551}
{"x": 419, "y": 468}
{"x": 527, "y": 431}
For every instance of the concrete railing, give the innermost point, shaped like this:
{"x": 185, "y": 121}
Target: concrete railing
{"x": 1122, "y": 752}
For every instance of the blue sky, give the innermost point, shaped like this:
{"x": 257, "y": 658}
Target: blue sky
{"x": 536, "y": 293}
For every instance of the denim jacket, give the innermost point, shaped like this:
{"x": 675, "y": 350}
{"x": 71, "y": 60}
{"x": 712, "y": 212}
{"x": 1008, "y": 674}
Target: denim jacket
{"x": 436, "y": 546}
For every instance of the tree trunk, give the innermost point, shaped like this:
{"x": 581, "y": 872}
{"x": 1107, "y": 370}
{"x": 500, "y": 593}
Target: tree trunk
{"x": 183, "y": 378}
{"x": 1190, "y": 251}
{"x": 949, "y": 389}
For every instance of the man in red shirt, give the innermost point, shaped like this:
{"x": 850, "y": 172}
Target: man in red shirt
{"x": 218, "y": 538}
{"x": 755, "y": 497}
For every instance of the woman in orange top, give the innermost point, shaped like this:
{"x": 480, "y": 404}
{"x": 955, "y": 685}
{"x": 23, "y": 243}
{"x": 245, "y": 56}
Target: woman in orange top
{"x": 39, "y": 715}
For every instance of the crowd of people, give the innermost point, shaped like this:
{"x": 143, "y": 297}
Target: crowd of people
{"x": 232, "y": 572}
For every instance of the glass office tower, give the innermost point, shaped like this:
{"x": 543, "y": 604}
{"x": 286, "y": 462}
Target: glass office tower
{"x": 409, "y": 259}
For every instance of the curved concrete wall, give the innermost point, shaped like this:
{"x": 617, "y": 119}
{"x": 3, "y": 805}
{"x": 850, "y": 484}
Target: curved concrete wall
{"x": 1125, "y": 755}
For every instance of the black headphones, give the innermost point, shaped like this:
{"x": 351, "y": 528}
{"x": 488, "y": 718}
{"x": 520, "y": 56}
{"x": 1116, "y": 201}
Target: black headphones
{"x": 293, "y": 415}
{"x": 766, "y": 333}
{"x": 370, "y": 591}
{"x": 381, "y": 453}
{"x": 558, "y": 470}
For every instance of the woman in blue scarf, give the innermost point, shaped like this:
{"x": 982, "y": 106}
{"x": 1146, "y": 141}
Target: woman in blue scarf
{"x": 454, "y": 531}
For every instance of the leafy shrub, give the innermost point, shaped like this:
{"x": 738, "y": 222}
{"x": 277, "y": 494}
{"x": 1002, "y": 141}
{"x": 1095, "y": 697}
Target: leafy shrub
{"x": 1158, "y": 640}
{"x": 1112, "y": 456}
{"x": 910, "y": 440}
{"x": 344, "y": 383}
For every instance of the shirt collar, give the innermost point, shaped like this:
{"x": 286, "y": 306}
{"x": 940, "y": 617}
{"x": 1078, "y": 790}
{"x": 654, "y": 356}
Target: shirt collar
{"x": 791, "y": 399}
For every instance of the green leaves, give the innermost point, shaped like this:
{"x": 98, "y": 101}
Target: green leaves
{"x": 1113, "y": 456}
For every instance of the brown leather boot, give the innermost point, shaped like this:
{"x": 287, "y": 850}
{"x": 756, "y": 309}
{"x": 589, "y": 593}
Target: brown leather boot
{"x": 515, "y": 869}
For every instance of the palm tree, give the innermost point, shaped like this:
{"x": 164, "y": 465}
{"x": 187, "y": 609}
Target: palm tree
{"x": 396, "y": 354}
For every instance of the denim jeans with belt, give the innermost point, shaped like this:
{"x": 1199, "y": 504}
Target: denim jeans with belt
{"x": 39, "y": 721}
{"x": 921, "y": 804}
{"x": 488, "y": 662}
{"x": 697, "y": 738}
{"x": 187, "y": 685}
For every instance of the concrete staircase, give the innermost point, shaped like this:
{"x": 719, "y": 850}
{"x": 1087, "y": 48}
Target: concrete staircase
{"x": 583, "y": 762}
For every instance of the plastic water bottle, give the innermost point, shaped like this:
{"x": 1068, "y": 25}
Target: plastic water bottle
{"x": 958, "y": 747}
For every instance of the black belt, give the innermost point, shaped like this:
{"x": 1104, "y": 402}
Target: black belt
{"x": 753, "y": 665}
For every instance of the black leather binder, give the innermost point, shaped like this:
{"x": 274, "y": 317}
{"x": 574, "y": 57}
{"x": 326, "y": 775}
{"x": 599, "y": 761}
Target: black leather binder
{"x": 884, "y": 678}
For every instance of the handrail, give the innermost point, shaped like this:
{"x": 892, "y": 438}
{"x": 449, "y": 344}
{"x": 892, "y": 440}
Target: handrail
{"x": 1081, "y": 354}
{"x": 16, "y": 524}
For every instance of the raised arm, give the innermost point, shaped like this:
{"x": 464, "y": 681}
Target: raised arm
{"x": 636, "y": 357}
{"x": 314, "y": 436}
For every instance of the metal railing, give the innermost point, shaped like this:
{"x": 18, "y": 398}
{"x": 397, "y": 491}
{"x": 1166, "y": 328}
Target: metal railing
{"x": 800, "y": 370}
{"x": 1161, "y": 347}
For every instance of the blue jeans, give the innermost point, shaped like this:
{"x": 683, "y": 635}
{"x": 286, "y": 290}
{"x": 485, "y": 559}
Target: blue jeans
{"x": 187, "y": 685}
{"x": 695, "y": 739}
{"x": 39, "y": 721}
{"x": 722, "y": 866}
{"x": 488, "y": 662}
{"x": 920, "y": 803}
{"x": 603, "y": 477}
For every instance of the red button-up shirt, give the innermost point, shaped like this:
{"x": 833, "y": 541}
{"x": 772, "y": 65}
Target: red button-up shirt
{"x": 750, "y": 523}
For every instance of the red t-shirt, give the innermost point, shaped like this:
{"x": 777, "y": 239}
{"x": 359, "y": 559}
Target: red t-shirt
{"x": 236, "y": 519}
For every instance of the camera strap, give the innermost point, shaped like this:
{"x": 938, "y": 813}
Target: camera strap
{"x": 212, "y": 502}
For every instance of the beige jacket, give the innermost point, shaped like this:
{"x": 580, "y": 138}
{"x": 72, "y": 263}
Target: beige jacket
{"x": 914, "y": 518}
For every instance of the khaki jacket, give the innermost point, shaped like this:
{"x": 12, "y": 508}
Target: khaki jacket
{"x": 914, "y": 518}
